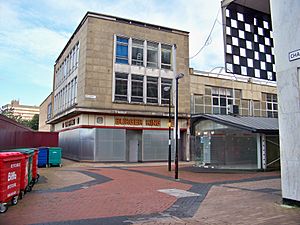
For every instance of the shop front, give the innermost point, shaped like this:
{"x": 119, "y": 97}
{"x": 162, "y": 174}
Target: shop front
{"x": 230, "y": 142}
{"x": 105, "y": 138}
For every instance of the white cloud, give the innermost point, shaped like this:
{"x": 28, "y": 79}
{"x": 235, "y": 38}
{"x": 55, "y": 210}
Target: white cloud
{"x": 34, "y": 33}
{"x": 40, "y": 42}
{"x": 194, "y": 16}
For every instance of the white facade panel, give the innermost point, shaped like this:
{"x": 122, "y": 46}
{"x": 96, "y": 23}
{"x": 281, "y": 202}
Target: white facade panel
{"x": 286, "y": 17}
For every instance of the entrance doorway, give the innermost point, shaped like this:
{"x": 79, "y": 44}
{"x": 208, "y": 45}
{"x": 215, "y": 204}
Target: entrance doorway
{"x": 133, "y": 150}
{"x": 134, "y": 146}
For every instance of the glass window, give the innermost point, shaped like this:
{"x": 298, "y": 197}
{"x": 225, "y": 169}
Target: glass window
{"x": 223, "y": 110}
{"x": 221, "y": 98}
{"x": 215, "y": 101}
{"x": 152, "y": 54}
{"x": 229, "y": 101}
{"x": 137, "y": 88}
{"x": 270, "y": 103}
{"x": 71, "y": 60}
{"x": 215, "y": 91}
{"x": 216, "y": 110}
{"x": 152, "y": 90}
{"x": 65, "y": 69}
{"x": 121, "y": 86}
{"x": 75, "y": 89}
{"x": 165, "y": 95}
{"x": 223, "y": 101}
{"x": 49, "y": 111}
{"x": 77, "y": 54}
{"x": 74, "y": 58}
{"x": 122, "y": 50}
{"x": 67, "y": 64}
{"x": 70, "y": 66}
{"x": 72, "y": 92}
{"x": 166, "y": 56}
{"x": 137, "y": 52}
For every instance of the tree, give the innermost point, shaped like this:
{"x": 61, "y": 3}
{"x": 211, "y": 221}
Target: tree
{"x": 10, "y": 114}
{"x": 33, "y": 123}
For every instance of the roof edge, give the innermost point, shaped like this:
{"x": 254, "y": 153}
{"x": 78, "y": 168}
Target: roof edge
{"x": 121, "y": 20}
{"x": 206, "y": 116}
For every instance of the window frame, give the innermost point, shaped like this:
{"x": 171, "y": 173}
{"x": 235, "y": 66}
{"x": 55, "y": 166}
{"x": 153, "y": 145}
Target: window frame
{"x": 140, "y": 80}
{"x": 140, "y": 46}
{"x": 165, "y": 82}
{"x": 152, "y": 82}
{"x": 119, "y": 96}
{"x": 271, "y": 100}
{"x": 122, "y": 59}
{"x": 166, "y": 49}
{"x": 150, "y": 47}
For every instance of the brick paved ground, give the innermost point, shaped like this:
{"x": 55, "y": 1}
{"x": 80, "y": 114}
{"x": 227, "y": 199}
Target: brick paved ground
{"x": 126, "y": 194}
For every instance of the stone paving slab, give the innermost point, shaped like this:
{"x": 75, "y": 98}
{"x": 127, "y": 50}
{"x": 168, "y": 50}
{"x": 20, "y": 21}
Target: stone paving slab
{"x": 178, "y": 193}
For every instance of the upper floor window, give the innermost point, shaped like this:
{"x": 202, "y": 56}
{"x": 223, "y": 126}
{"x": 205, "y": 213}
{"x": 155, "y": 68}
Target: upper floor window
{"x": 122, "y": 50}
{"x": 221, "y": 99}
{"x": 152, "y": 90}
{"x": 49, "y": 111}
{"x": 152, "y": 54}
{"x": 271, "y": 104}
{"x": 137, "y": 52}
{"x": 121, "y": 86}
{"x": 68, "y": 66}
{"x": 215, "y": 100}
{"x": 165, "y": 95}
{"x": 137, "y": 88}
{"x": 166, "y": 56}
{"x": 143, "y": 53}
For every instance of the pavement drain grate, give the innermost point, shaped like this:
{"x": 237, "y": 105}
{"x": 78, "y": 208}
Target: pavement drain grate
{"x": 178, "y": 193}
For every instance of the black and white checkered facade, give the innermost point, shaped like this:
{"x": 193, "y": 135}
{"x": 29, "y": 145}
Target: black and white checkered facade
{"x": 249, "y": 43}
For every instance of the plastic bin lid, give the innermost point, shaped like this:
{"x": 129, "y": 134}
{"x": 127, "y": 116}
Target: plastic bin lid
{"x": 22, "y": 150}
{"x": 25, "y": 150}
{"x": 11, "y": 155}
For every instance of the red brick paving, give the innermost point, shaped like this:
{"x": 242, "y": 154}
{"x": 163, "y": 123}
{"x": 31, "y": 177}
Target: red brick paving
{"x": 128, "y": 193}
{"x": 205, "y": 177}
{"x": 240, "y": 203}
{"x": 132, "y": 193}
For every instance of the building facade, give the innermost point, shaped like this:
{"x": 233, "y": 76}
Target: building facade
{"x": 215, "y": 93}
{"x": 285, "y": 16}
{"x": 25, "y": 111}
{"x": 217, "y": 138}
{"x": 109, "y": 101}
{"x": 45, "y": 114}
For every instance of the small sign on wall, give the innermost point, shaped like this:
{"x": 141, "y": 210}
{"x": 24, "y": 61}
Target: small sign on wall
{"x": 90, "y": 96}
{"x": 294, "y": 55}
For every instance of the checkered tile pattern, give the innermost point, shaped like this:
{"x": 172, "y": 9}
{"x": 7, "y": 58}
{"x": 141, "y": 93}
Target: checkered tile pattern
{"x": 249, "y": 43}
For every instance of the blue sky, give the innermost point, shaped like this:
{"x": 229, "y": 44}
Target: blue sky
{"x": 34, "y": 32}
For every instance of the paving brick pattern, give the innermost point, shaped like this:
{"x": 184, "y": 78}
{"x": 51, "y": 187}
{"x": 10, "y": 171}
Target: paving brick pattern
{"x": 129, "y": 195}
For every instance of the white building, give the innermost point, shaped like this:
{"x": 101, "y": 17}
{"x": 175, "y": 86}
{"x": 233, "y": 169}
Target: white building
{"x": 286, "y": 18}
{"x": 25, "y": 111}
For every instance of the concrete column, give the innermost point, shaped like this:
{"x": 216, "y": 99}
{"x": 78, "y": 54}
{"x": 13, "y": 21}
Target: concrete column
{"x": 285, "y": 18}
{"x": 263, "y": 151}
{"x": 258, "y": 147}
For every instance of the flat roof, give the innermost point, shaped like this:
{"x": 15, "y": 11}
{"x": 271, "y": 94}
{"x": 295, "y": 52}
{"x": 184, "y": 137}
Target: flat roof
{"x": 250, "y": 123}
{"x": 120, "y": 20}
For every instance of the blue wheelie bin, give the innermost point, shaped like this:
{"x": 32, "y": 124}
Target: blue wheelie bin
{"x": 43, "y": 157}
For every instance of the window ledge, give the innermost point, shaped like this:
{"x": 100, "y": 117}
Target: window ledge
{"x": 141, "y": 104}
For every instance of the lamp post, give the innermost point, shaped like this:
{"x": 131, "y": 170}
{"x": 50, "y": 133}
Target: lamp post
{"x": 168, "y": 89}
{"x": 177, "y": 77}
